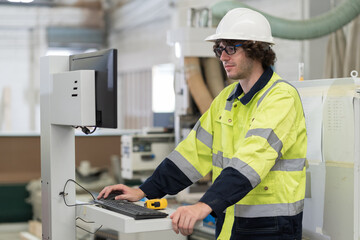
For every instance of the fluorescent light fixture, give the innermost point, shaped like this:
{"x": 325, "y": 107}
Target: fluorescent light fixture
{"x": 21, "y": 1}
{"x": 177, "y": 50}
{"x": 59, "y": 52}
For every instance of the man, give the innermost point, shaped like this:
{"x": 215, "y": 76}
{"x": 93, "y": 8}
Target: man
{"x": 252, "y": 137}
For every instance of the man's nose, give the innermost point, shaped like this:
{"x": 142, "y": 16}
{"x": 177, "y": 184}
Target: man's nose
{"x": 224, "y": 56}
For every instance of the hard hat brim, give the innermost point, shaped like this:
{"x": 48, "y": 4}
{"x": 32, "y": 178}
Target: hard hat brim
{"x": 233, "y": 36}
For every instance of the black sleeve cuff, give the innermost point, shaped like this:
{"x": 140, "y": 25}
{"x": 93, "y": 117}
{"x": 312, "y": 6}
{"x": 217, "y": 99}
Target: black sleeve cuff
{"x": 151, "y": 190}
{"x": 218, "y": 205}
{"x": 166, "y": 179}
{"x": 228, "y": 188}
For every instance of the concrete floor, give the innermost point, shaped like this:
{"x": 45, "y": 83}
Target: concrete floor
{"x": 12, "y": 236}
{"x": 12, "y": 230}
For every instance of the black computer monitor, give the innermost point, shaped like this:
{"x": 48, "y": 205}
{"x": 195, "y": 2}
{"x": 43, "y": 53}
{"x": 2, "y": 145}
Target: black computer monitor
{"x": 104, "y": 63}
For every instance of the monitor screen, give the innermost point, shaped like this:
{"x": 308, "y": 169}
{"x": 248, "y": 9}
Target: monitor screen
{"x": 104, "y": 63}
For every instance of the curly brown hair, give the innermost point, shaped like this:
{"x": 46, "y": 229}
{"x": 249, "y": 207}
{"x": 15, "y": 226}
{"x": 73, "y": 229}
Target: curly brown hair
{"x": 260, "y": 51}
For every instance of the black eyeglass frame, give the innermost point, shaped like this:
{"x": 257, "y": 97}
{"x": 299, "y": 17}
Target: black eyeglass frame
{"x": 230, "y": 50}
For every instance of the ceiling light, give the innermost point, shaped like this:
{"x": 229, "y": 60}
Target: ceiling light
{"x": 21, "y": 1}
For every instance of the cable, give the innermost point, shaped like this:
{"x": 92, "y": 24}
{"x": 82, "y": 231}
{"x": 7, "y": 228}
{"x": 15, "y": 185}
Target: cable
{"x": 86, "y": 130}
{"x": 87, "y": 222}
{"x": 64, "y": 194}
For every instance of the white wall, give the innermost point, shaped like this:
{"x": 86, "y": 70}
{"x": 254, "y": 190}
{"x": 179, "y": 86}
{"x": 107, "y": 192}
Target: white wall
{"x": 18, "y": 76}
{"x": 138, "y": 31}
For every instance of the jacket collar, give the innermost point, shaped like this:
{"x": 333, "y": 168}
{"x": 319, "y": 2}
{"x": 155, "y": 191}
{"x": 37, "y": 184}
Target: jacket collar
{"x": 260, "y": 84}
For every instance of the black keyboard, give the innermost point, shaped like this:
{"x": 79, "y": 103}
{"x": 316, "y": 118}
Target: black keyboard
{"x": 130, "y": 209}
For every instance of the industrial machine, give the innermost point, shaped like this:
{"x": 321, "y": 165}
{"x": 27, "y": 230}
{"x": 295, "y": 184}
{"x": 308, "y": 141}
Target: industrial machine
{"x": 332, "y": 115}
{"x": 142, "y": 153}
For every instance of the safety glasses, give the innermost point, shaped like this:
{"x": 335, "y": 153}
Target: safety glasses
{"x": 230, "y": 50}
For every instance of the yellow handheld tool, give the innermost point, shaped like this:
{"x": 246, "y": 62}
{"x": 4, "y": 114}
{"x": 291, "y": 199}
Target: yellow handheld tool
{"x": 156, "y": 203}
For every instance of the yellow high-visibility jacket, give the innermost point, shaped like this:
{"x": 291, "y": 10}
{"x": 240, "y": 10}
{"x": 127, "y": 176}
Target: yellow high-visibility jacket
{"x": 255, "y": 145}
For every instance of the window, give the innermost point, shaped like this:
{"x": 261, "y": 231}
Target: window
{"x": 163, "y": 95}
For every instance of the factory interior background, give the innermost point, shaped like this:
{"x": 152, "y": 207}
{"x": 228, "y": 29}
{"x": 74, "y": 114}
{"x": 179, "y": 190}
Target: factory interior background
{"x": 147, "y": 35}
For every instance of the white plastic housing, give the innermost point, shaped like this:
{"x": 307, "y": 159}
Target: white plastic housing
{"x": 73, "y": 98}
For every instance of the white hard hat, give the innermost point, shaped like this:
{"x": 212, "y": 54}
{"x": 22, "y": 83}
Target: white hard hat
{"x": 243, "y": 24}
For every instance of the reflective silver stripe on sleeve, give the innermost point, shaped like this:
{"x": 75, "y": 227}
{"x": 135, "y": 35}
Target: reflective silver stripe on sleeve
{"x": 185, "y": 166}
{"x": 202, "y": 135}
{"x": 240, "y": 166}
{"x": 269, "y": 210}
{"x": 218, "y": 159}
{"x": 244, "y": 169}
{"x": 289, "y": 165}
{"x": 297, "y": 164}
{"x": 269, "y": 135}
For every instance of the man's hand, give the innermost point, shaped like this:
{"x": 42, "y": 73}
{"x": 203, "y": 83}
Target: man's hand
{"x": 130, "y": 194}
{"x": 184, "y": 218}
